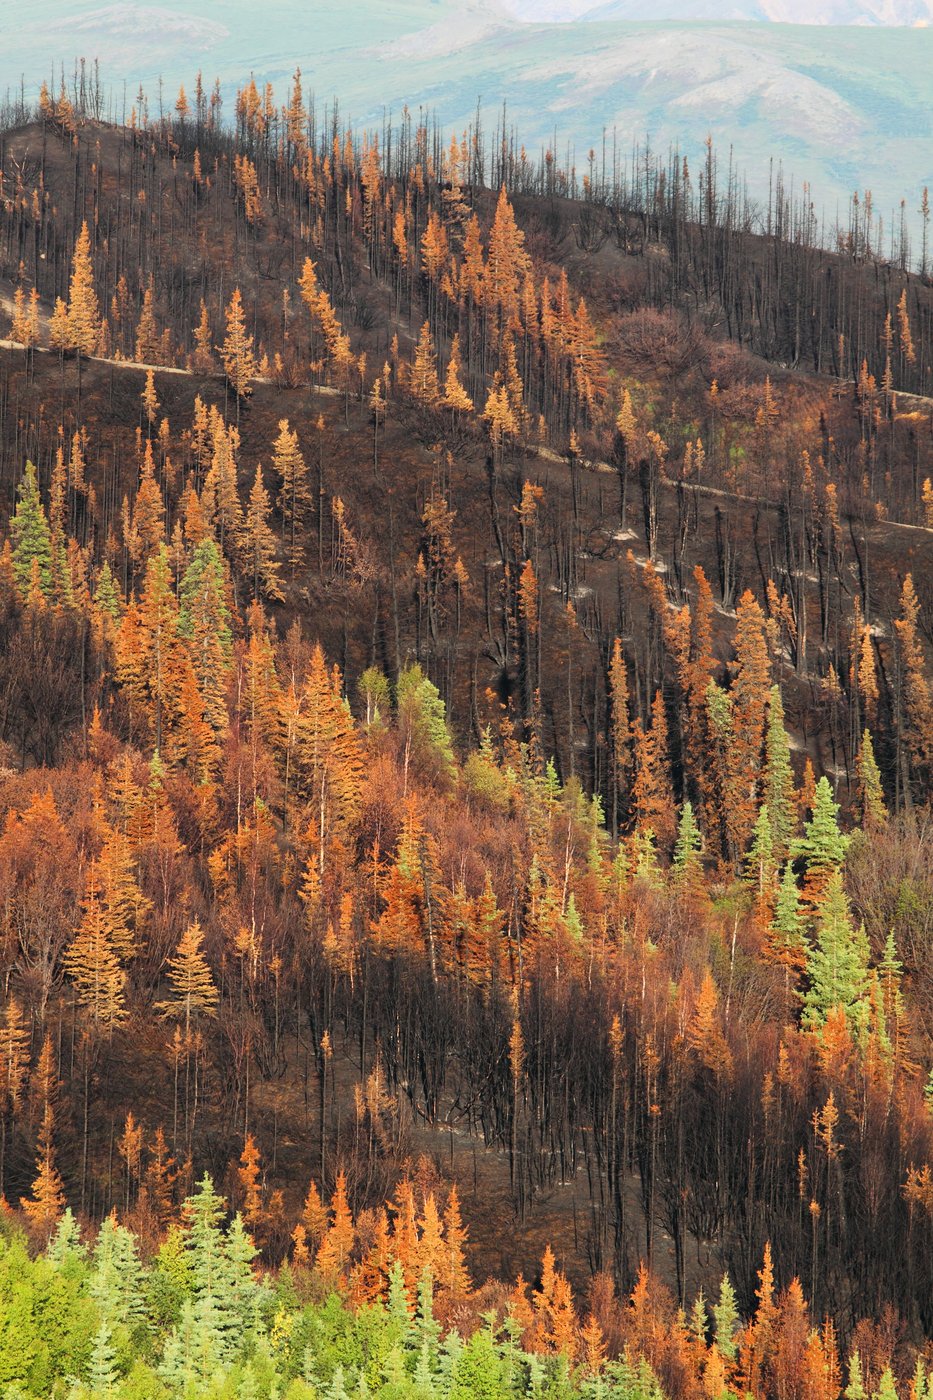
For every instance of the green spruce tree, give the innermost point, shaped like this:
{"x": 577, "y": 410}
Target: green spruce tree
{"x": 759, "y": 862}
{"x": 837, "y": 964}
{"x": 686, "y": 861}
{"x": 779, "y": 790}
{"x": 822, "y": 846}
{"x": 29, "y": 529}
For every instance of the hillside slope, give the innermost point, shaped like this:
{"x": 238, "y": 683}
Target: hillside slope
{"x": 465, "y": 713}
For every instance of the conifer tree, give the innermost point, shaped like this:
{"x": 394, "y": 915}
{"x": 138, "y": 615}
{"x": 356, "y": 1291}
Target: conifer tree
{"x": 749, "y": 697}
{"x": 209, "y": 1267}
{"x": 148, "y": 340}
{"x": 95, "y": 969}
{"x": 620, "y": 731}
{"x": 220, "y": 498}
{"x": 726, "y": 1319}
{"x": 193, "y": 991}
{"x": 760, "y": 863}
{"x": 471, "y": 271}
{"x": 686, "y": 862}
{"x": 243, "y": 1295}
{"x": 294, "y": 498}
{"x": 59, "y": 327}
{"x": 788, "y": 945}
{"x": 377, "y": 408}
{"x": 150, "y": 398}
{"x": 148, "y": 509}
{"x": 867, "y": 675}
{"x": 237, "y": 352}
{"x": 44, "y": 1086}
{"x": 823, "y": 846}
{"x": 704, "y": 1032}
{"x": 25, "y": 327}
{"x": 872, "y": 809}
{"x": 250, "y": 1176}
{"x": 159, "y": 1179}
{"x": 14, "y": 1071}
{"x": 779, "y": 790}
{"x": 29, "y": 530}
{"x": 103, "y": 1375}
{"x": 257, "y": 543}
{"x": 887, "y": 1004}
{"x": 297, "y": 116}
{"x": 456, "y": 397}
{"x": 453, "y": 1275}
{"x": 424, "y": 383}
{"x": 837, "y": 964}
{"x": 65, "y": 1250}
{"x": 329, "y": 757}
{"x": 334, "y": 1253}
{"x": 113, "y": 879}
{"x": 129, "y": 1146}
{"x": 47, "y": 1202}
{"x": 499, "y": 416}
{"x": 626, "y": 422}
{"x": 203, "y": 360}
{"x": 625, "y": 445}
{"x": 192, "y": 741}
{"x": 260, "y": 697}
{"x": 855, "y": 1389}
{"x": 14, "y": 1055}
{"x": 147, "y": 652}
{"x": 651, "y": 790}
{"x": 915, "y": 697}
{"x": 204, "y": 623}
{"x": 506, "y": 263}
{"x": 926, "y": 495}
{"x": 83, "y": 309}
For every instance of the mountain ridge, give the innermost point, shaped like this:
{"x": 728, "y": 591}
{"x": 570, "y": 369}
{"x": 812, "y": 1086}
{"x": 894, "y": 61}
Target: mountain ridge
{"x": 853, "y": 114}
{"x": 887, "y": 13}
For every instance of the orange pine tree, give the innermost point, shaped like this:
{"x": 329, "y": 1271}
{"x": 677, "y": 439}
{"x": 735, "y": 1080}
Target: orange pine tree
{"x": 95, "y": 970}
{"x": 915, "y": 718}
{"x": 148, "y": 341}
{"x": 749, "y": 703}
{"x": 237, "y": 352}
{"x": 257, "y": 543}
{"x": 193, "y": 990}
{"x": 423, "y": 380}
{"x": 47, "y": 1202}
{"x": 652, "y": 801}
{"x": 249, "y": 1173}
{"x": 333, "y": 1256}
{"x": 202, "y": 359}
{"x": 294, "y": 499}
{"x": 83, "y": 308}
{"x": 330, "y": 760}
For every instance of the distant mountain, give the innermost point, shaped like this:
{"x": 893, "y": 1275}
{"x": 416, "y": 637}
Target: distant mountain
{"x": 841, "y": 12}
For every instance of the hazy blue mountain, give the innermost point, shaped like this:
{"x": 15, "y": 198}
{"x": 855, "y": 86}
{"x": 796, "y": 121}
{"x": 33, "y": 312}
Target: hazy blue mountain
{"x": 843, "y": 108}
{"x": 884, "y": 12}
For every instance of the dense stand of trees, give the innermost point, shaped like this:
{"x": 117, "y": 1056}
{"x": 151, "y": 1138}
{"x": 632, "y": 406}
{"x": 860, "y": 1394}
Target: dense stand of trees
{"x": 605, "y": 840}
{"x": 388, "y": 1310}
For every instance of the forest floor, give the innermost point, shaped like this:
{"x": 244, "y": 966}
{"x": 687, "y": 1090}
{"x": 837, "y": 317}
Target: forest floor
{"x": 505, "y": 1241}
